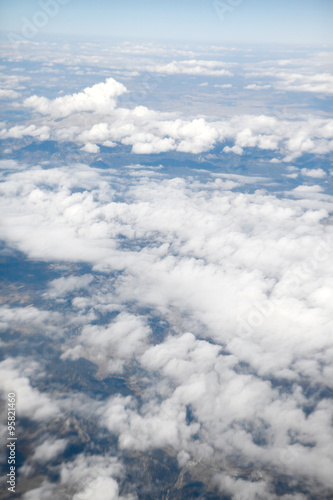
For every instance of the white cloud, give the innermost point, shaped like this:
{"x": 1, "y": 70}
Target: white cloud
{"x": 192, "y": 67}
{"x": 13, "y": 81}
{"x": 321, "y": 83}
{"x": 112, "y": 345}
{"x": 8, "y": 94}
{"x": 65, "y": 285}
{"x": 91, "y": 148}
{"x": 317, "y": 173}
{"x": 148, "y": 131}
{"x": 304, "y": 81}
{"x": 238, "y": 282}
{"x": 21, "y": 317}
{"x": 49, "y": 449}
{"x": 223, "y": 86}
{"x": 14, "y": 376}
{"x": 18, "y": 131}
{"x": 84, "y": 478}
{"x": 233, "y": 149}
{"x": 99, "y": 98}
{"x": 256, "y": 86}
{"x": 252, "y": 278}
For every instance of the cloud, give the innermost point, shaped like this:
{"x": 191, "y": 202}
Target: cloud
{"x": 18, "y": 131}
{"x": 66, "y": 285}
{"x": 99, "y": 98}
{"x": 85, "y": 478}
{"x": 321, "y": 83}
{"x": 20, "y": 317}
{"x": 8, "y": 94}
{"x": 112, "y": 345}
{"x": 223, "y": 86}
{"x": 90, "y": 148}
{"x": 33, "y": 404}
{"x": 92, "y": 117}
{"x": 317, "y": 173}
{"x": 49, "y": 449}
{"x": 192, "y": 67}
{"x": 236, "y": 283}
{"x": 289, "y": 81}
{"x": 255, "y": 86}
{"x": 206, "y": 297}
{"x": 234, "y": 149}
{"x": 9, "y": 82}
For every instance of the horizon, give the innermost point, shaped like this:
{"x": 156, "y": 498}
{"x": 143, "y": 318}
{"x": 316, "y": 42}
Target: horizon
{"x": 225, "y": 22}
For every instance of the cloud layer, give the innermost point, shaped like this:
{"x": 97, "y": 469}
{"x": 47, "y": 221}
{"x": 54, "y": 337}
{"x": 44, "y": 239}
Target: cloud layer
{"x": 239, "y": 284}
{"x": 92, "y": 117}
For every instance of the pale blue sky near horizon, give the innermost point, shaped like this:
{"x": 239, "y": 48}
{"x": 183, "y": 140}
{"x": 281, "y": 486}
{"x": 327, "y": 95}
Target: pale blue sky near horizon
{"x": 234, "y": 21}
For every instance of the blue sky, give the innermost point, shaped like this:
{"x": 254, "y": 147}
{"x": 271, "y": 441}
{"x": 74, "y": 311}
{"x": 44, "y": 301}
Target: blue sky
{"x": 244, "y": 21}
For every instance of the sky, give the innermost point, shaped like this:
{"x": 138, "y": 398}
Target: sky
{"x": 235, "y": 21}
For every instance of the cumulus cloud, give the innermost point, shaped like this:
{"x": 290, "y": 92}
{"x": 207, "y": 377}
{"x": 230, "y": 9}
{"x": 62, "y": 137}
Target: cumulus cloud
{"x": 317, "y": 173}
{"x": 91, "y": 148}
{"x": 84, "y": 478}
{"x": 35, "y": 405}
{"x": 112, "y": 345}
{"x": 18, "y": 131}
{"x": 149, "y": 132}
{"x": 99, "y": 98}
{"x": 207, "y": 298}
{"x": 241, "y": 281}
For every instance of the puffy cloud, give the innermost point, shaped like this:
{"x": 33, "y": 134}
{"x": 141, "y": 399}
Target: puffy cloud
{"x": 91, "y": 148}
{"x": 256, "y": 489}
{"x": 150, "y": 132}
{"x": 233, "y": 149}
{"x": 84, "y": 478}
{"x": 99, "y": 98}
{"x": 102, "y": 487}
{"x": 317, "y": 173}
{"x": 209, "y": 297}
{"x": 35, "y": 405}
{"x": 242, "y": 280}
{"x": 18, "y": 131}
{"x": 112, "y": 345}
